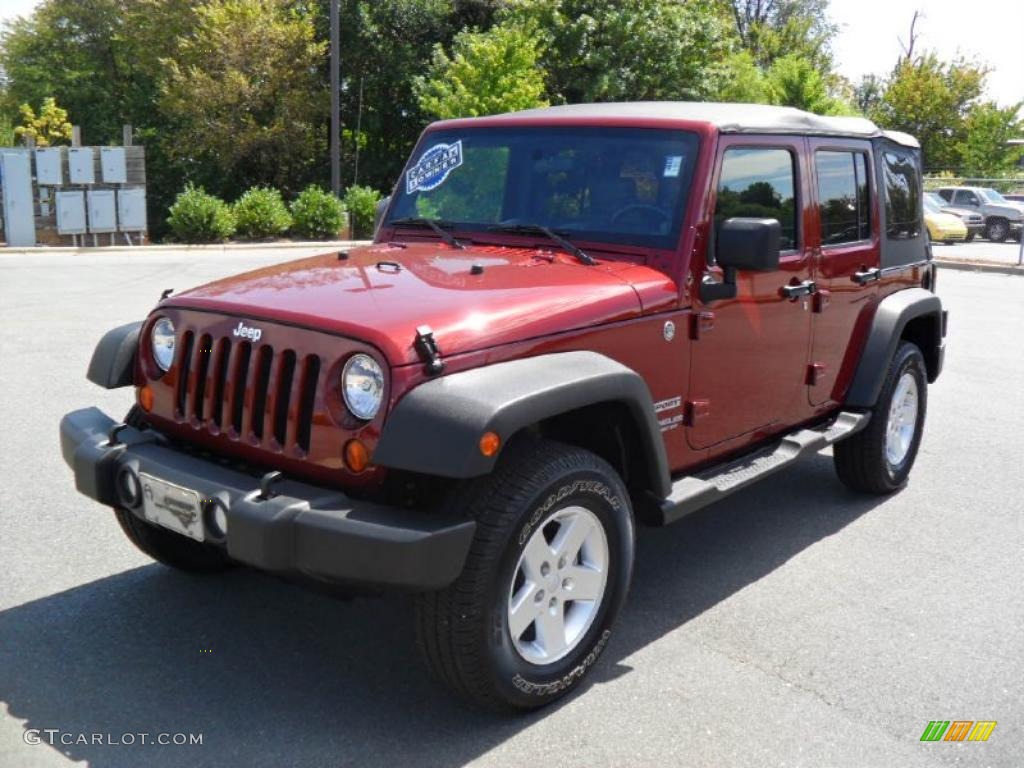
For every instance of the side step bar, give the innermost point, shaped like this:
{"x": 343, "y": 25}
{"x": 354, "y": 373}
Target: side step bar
{"x": 693, "y": 492}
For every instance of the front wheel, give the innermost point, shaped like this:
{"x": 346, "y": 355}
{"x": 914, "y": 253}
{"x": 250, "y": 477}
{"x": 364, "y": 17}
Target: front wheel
{"x": 878, "y": 459}
{"x": 545, "y": 578}
{"x": 997, "y": 230}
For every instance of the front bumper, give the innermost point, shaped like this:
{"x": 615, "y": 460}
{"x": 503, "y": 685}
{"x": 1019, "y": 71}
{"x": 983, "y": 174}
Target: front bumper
{"x": 300, "y": 529}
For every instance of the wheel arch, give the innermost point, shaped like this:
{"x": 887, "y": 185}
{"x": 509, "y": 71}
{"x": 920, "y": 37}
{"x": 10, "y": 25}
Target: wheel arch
{"x": 113, "y": 361}
{"x": 435, "y": 429}
{"x": 914, "y": 315}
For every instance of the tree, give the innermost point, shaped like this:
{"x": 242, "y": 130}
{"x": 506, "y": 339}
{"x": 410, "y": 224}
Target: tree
{"x": 772, "y": 29}
{"x": 796, "y": 82}
{"x": 646, "y": 49}
{"x": 50, "y": 127}
{"x": 745, "y": 82}
{"x": 488, "y": 73}
{"x": 931, "y": 100}
{"x": 868, "y": 93}
{"x": 985, "y": 150}
{"x": 244, "y": 99}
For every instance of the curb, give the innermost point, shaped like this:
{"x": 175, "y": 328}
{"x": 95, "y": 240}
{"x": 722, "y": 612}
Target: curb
{"x": 980, "y": 266}
{"x": 46, "y": 250}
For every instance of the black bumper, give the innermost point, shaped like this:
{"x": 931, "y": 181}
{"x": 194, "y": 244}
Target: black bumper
{"x": 301, "y": 529}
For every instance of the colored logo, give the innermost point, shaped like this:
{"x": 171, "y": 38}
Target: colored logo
{"x": 433, "y": 167}
{"x": 958, "y": 730}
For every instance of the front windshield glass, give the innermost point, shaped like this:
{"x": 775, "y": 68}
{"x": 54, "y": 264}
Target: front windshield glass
{"x": 930, "y": 205}
{"x": 992, "y": 196}
{"x": 615, "y": 185}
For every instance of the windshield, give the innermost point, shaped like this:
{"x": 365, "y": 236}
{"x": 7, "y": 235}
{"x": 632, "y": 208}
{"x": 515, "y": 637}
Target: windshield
{"x": 992, "y": 196}
{"x": 931, "y": 205}
{"x": 615, "y": 185}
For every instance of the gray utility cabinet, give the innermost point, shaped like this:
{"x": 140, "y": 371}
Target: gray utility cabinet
{"x": 71, "y": 212}
{"x": 82, "y": 165}
{"x": 50, "y": 167}
{"x": 102, "y": 210}
{"x": 131, "y": 209}
{"x": 19, "y": 203}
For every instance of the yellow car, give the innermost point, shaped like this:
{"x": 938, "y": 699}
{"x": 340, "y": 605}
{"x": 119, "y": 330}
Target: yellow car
{"x": 943, "y": 227}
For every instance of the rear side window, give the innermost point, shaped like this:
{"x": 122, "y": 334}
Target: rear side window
{"x": 946, "y": 194}
{"x": 759, "y": 183}
{"x": 902, "y": 195}
{"x": 844, "y": 196}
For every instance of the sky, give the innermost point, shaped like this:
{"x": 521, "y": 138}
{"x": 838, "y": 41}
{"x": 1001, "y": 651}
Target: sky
{"x": 991, "y": 31}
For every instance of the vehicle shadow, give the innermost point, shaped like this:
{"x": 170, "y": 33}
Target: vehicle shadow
{"x": 273, "y": 675}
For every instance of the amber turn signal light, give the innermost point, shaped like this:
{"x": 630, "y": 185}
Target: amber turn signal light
{"x": 489, "y": 444}
{"x": 357, "y": 458}
{"x": 146, "y": 398}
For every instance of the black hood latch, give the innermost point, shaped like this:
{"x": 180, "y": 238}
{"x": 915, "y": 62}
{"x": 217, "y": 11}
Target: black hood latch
{"x": 427, "y": 349}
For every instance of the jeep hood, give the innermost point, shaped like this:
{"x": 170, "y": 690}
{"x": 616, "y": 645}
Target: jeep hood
{"x": 382, "y": 293}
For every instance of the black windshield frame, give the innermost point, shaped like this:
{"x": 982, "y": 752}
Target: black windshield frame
{"x": 654, "y": 168}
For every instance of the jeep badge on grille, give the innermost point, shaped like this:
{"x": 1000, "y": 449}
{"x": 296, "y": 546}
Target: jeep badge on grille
{"x": 247, "y": 333}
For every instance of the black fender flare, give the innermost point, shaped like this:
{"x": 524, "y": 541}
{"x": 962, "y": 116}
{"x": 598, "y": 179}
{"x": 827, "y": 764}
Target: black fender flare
{"x": 435, "y": 429}
{"x": 113, "y": 360}
{"x": 893, "y": 314}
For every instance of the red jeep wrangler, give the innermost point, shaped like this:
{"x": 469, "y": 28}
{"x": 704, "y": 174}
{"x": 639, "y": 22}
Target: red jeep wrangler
{"x": 572, "y": 320}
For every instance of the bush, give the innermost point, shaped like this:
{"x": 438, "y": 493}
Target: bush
{"x": 361, "y": 203}
{"x": 196, "y": 217}
{"x": 261, "y": 212}
{"x": 317, "y": 214}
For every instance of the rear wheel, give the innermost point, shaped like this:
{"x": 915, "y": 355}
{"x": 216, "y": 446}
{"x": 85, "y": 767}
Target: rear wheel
{"x": 546, "y": 575}
{"x": 969, "y": 238}
{"x": 878, "y": 459}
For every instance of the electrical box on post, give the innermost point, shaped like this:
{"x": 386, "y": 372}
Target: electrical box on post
{"x": 70, "y": 212}
{"x": 114, "y": 165}
{"x": 131, "y": 209}
{"x": 50, "y": 166}
{"x": 102, "y": 211}
{"x": 81, "y": 165}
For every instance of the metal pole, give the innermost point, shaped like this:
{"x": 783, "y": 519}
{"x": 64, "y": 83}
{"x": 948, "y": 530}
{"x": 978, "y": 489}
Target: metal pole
{"x": 1020, "y": 256}
{"x": 335, "y": 101}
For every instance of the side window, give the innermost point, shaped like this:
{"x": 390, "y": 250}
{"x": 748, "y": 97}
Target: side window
{"x": 759, "y": 183}
{"x": 963, "y": 197}
{"x": 946, "y": 194}
{"x": 902, "y": 195}
{"x": 843, "y": 193}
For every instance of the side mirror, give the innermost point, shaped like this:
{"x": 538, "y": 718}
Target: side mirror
{"x": 741, "y": 243}
{"x": 382, "y": 206}
{"x": 752, "y": 244}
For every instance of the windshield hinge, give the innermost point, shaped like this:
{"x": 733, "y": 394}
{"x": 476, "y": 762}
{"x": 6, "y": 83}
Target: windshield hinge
{"x": 427, "y": 349}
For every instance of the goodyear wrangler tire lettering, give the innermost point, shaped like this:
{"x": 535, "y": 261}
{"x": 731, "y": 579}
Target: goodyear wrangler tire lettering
{"x": 471, "y": 633}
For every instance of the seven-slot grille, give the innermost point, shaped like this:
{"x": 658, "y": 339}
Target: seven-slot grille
{"x": 223, "y": 370}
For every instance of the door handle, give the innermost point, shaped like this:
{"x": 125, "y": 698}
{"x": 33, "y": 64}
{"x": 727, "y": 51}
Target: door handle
{"x": 863, "y": 277}
{"x": 793, "y": 292}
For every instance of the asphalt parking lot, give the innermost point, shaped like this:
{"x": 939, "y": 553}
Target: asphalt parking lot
{"x": 795, "y": 624}
{"x": 1003, "y": 254}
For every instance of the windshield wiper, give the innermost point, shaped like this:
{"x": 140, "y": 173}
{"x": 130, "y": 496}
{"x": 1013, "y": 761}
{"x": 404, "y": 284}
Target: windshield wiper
{"x": 575, "y": 250}
{"x": 437, "y": 225}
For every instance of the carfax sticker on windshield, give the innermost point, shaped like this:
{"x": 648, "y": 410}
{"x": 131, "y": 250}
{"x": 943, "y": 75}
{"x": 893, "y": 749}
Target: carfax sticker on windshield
{"x": 673, "y": 164}
{"x": 433, "y": 167}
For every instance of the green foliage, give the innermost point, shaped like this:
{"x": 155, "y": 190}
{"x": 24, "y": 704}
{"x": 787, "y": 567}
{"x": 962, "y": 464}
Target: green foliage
{"x": 51, "y": 126}
{"x": 795, "y": 82}
{"x": 243, "y": 94}
{"x": 984, "y": 150}
{"x": 260, "y": 213}
{"x": 361, "y": 204}
{"x": 7, "y": 135}
{"x": 593, "y": 50}
{"x": 931, "y": 99}
{"x": 744, "y": 81}
{"x": 197, "y": 217}
{"x": 773, "y": 29}
{"x": 317, "y": 214}
{"x": 488, "y": 73}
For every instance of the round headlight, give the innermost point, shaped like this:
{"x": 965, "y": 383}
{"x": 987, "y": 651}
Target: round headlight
{"x": 163, "y": 343}
{"x": 362, "y": 385}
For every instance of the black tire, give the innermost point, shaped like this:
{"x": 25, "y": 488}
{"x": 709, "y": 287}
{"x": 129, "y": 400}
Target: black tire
{"x": 861, "y": 461}
{"x": 463, "y": 631}
{"x": 969, "y": 238}
{"x": 997, "y": 230}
